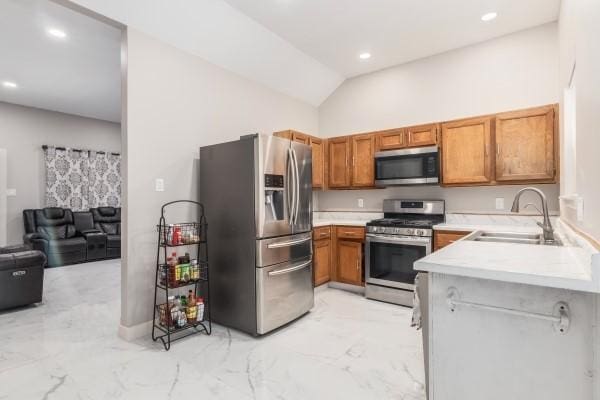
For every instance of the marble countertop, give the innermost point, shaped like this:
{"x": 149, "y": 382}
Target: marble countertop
{"x": 571, "y": 266}
{"x": 343, "y": 222}
{"x": 344, "y": 218}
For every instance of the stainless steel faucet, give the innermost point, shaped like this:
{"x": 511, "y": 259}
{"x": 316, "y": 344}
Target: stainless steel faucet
{"x": 546, "y": 225}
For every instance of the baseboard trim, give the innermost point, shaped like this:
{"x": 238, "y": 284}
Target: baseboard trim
{"x": 347, "y": 287}
{"x": 131, "y": 333}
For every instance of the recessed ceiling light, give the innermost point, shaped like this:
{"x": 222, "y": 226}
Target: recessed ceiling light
{"x": 10, "y": 85}
{"x": 489, "y": 16}
{"x": 57, "y": 33}
{"x": 364, "y": 56}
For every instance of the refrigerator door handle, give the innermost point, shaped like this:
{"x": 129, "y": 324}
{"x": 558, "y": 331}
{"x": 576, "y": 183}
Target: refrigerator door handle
{"x": 291, "y": 269}
{"x": 288, "y": 243}
{"x": 297, "y": 182}
{"x": 291, "y": 187}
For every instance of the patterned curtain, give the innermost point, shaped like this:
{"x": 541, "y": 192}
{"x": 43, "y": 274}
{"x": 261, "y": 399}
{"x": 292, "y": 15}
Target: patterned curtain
{"x": 80, "y": 179}
{"x": 104, "y": 180}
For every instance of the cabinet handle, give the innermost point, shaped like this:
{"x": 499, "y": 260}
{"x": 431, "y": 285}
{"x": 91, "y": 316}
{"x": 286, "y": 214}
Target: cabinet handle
{"x": 357, "y": 265}
{"x": 497, "y": 148}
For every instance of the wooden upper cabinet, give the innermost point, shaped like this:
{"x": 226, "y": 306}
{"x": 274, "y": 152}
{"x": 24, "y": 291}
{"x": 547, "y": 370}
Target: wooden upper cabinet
{"x": 349, "y": 262}
{"x": 294, "y": 135}
{"x": 363, "y": 163}
{"x": 525, "y": 148}
{"x": 318, "y": 162}
{"x": 301, "y": 138}
{"x": 466, "y": 151}
{"x": 422, "y": 135}
{"x": 339, "y": 157}
{"x": 391, "y": 139}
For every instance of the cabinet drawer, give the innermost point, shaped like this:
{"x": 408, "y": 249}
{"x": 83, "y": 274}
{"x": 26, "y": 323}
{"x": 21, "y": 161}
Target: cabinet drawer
{"x": 444, "y": 238}
{"x": 322, "y": 232}
{"x": 350, "y": 232}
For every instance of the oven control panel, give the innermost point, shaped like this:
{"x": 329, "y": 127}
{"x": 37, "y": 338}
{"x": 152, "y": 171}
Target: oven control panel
{"x": 385, "y": 230}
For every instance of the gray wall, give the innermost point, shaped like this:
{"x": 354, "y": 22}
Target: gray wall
{"x": 515, "y": 71}
{"x": 460, "y": 199}
{"x": 177, "y": 102}
{"x": 23, "y": 131}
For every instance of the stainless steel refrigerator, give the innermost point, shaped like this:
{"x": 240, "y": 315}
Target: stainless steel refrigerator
{"x": 257, "y": 193}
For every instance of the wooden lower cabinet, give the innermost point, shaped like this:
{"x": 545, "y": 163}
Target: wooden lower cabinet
{"x": 444, "y": 238}
{"x": 321, "y": 261}
{"x": 349, "y": 262}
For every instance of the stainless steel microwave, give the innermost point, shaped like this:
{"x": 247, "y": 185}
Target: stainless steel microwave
{"x": 417, "y": 166}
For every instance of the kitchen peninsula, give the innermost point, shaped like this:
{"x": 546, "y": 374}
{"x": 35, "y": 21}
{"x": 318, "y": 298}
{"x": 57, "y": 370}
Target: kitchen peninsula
{"x": 497, "y": 305}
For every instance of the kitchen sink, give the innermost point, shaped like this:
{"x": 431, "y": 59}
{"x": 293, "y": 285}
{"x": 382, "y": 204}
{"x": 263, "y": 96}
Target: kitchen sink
{"x": 512, "y": 237}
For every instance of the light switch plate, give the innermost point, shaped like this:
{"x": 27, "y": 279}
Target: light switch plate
{"x": 11, "y": 192}
{"x": 499, "y": 203}
{"x": 361, "y": 203}
{"x": 159, "y": 185}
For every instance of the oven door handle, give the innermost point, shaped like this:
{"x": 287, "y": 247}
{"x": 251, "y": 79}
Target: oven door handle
{"x": 372, "y": 238}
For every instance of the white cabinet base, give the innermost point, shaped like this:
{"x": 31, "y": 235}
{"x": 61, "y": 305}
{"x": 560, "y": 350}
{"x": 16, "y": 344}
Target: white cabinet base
{"x": 490, "y": 353}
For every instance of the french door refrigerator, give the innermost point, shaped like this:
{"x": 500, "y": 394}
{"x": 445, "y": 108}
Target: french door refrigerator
{"x": 257, "y": 193}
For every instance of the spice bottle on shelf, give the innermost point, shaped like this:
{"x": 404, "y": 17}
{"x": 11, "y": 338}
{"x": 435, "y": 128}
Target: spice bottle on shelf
{"x": 174, "y": 272}
{"x": 184, "y": 262}
{"x": 176, "y": 236}
{"x": 199, "y": 309}
{"x": 191, "y": 310}
{"x": 194, "y": 270}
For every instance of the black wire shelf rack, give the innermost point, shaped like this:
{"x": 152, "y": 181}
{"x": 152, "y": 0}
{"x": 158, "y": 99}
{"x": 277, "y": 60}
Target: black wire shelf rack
{"x": 178, "y": 283}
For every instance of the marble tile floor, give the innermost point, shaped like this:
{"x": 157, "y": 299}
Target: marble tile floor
{"x": 347, "y": 347}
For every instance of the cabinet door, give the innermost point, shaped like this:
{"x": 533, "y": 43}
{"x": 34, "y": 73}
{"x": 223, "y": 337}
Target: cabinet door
{"x": 391, "y": 139}
{"x": 525, "y": 145}
{"x": 321, "y": 261}
{"x": 442, "y": 239}
{"x": 284, "y": 134}
{"x": 300, "y": 138}
{"x": 363, "y": 162}
{"x": 349, "y": 260}
{"x": 318, "y": 162}
{"x": 466, "y": 151}
{"x": 422, "y": 135}
{"x": 339, "y": 155}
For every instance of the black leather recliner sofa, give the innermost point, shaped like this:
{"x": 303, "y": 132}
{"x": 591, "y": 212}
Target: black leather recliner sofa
{"x": 67, "y": 237}
{"x": 21, "y": 276}
{"x": 52, "y": 231}
{"x": 108, "y": 220}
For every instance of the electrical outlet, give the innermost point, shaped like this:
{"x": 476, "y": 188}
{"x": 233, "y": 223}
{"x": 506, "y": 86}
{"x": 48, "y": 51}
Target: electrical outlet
{"x": 11, "y": 192}
{"x": 361, "y": 203}
{"x": 159, "y": 185}
{"x": 499, "y": 203}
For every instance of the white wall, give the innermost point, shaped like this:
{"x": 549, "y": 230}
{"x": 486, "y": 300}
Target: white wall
{"x": 578, "y": 33}
{"x": 177, "y": 102}
{"x": 515, "y": 71}
{"x": 23, "y": 131}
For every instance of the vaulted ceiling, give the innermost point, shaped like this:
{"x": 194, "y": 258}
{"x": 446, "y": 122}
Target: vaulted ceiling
{"x": 303, "y": 48}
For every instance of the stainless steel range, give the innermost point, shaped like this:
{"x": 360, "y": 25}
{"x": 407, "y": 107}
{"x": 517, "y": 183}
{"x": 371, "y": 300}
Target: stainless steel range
{"x": 394, "y": 243}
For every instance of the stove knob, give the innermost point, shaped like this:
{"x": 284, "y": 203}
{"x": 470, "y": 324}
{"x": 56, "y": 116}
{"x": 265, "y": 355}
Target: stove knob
{"x": 419, "y": 232}
{"x": 397, "y": 231}
{"x": 409, "y": 231}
